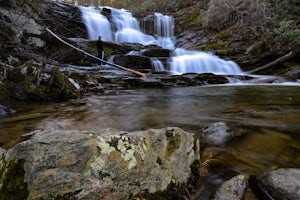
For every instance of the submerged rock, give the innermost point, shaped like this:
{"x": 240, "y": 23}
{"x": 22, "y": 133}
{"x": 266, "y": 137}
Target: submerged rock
{"x": 233, "y": 189}
{"x": 4, "y": 110}
{"x": 104, "y": 164}
{"x": 277, "y": 184}
{"x": 218, "y": 133}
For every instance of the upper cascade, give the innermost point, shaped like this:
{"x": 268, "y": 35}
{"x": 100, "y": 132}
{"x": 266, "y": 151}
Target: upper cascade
{"x": 164, "y": 25}
{"x": 123, "y": 27}
{"x": 96, "y": 24}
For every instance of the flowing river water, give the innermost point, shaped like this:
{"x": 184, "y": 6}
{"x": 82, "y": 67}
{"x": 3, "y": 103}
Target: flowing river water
{"x": 268, "y": 115}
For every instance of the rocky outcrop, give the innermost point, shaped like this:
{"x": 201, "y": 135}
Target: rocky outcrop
{"x": 109, "y": 164}
{"x": 35, "y": 82}
{"x": 107, "y": 78}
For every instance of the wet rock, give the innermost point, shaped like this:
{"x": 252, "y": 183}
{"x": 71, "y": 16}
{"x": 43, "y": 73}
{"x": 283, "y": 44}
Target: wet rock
{"x": 111, "y": 48}
{"x": 218, "y": 133}
{"x": 233, "y": 189}
{"x": 157, "y": 52}
{"x": 104, "y": 164}
{"x": 133, "y": 61}
{"x": 209, "y": 78}
{"x": 32, "y": 81}
{"x": 4, "y": 110}
{"x": 277, "y": 184}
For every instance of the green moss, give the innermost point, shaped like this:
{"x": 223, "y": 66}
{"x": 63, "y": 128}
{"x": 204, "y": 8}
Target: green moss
{"x": 220, "y": 47}
{"x": 107, "y": 51}
{"x": 173, "y": 142}
{"x": 193, "y": 17}
{"x": 12, "y": 180}
{"x": 225, "y": 34}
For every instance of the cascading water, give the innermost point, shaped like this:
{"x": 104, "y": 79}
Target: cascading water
{"x": 157, "y": 65}
{"x": 164, "y": 25}
{"x": 201, "y": 62}
{"x": 96, "y": 24}
{"x": 127, "y": 29}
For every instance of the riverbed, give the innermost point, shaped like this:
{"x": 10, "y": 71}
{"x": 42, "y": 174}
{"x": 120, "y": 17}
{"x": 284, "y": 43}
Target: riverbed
{"x": 267, "y": 115}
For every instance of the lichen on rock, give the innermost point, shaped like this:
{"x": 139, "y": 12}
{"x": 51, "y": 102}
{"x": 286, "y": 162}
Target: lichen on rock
{"x": 151, "y": 159}
{"x": 98, "y": 164}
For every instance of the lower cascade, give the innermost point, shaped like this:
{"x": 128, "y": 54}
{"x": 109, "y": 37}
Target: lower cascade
{"x": 123, "y": 27}
{"x": 201, "y": 62}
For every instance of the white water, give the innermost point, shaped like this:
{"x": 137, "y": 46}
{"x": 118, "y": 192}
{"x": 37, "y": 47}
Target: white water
{"x": 126, "y": 28}
{"x": 157, "y": 65}
{"x": 201, "y": 62}
{"x": 164, "y": 25}
{"x": 96, "y": 24}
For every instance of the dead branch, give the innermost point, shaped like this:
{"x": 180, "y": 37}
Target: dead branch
{"x": 275, "y": 62}
{"x": 92, "y": 56}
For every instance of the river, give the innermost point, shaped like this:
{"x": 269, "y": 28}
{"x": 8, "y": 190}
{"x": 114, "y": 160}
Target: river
{"x": 268, "y": 115}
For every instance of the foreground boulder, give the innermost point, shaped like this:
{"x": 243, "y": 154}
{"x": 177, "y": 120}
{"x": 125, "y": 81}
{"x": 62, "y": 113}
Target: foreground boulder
{"x": 107, "y": 164}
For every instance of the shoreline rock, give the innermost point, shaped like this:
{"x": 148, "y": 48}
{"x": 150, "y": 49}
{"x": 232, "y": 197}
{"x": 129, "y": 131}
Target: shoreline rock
{"x": 93, "y": 165}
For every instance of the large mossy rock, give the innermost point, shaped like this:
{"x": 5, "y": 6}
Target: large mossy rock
{"x": 35, "y": 82}
{"x": 58, "y": 164}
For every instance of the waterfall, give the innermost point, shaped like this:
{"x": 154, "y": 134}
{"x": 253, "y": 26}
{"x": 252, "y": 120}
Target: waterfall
{"x": 127, "y": 29}
{"x": 164, "y": 25}
{"x": 185, "y": 61}
{"x": 96, "y": 24}
{"x": 157, "y": 65}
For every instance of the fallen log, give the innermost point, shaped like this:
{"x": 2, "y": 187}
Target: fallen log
{"x": 275, "y": 62}
{"x": 95, "y": 57}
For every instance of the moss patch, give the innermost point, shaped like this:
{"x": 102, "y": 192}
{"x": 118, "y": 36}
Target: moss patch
{"x": 12, "y": 180}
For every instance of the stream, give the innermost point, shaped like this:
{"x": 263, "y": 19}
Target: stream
{"x": 268, "y": 115}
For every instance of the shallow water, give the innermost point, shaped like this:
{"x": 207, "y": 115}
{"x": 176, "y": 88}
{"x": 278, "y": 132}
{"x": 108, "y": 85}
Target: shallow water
{"x": 268, "y": 115}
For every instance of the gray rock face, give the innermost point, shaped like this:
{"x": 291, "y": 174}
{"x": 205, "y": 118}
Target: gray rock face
{"x": 232, "y": 189}
{"x": 94, "y": 165}
{"x": 217, "y": 134}
{"x": 32, "y": 81}
{"x": 281, "y": 183}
